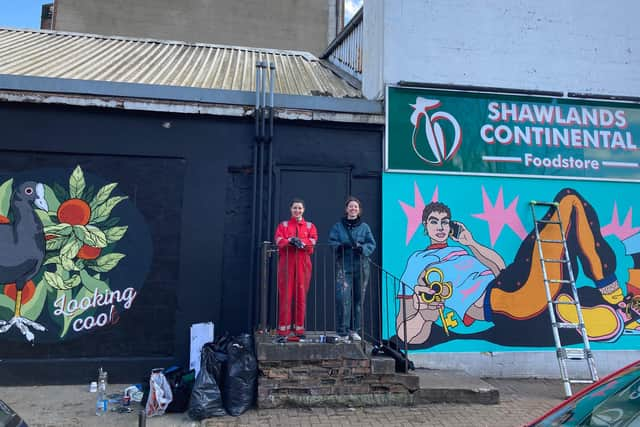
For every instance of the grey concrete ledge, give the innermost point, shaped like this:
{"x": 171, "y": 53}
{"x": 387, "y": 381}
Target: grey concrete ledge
{"x": 453, "y": 386}
{"x": 345, "y": 400}
{"x": 184, "y": 94}
{"x": 517, "y": 364}
{"x": 268, "y": 351}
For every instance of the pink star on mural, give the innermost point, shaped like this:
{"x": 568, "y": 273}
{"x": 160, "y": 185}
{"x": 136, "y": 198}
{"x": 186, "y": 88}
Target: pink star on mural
{"x": 497, "y": 216}
{"x": 620, "y": 231}
{"x": 414, "y": 213}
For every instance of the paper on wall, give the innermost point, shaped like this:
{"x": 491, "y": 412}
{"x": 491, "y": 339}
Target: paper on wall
{"x": 201, "y": 333}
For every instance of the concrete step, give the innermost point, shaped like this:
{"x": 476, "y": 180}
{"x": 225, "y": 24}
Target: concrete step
{"x": 451, "y": 386}
{"x": 382, "y": 365}
{"x": 313, "y": 373}
{"x": 268, "y": 350}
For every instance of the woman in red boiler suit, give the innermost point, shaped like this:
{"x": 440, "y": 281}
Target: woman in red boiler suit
{"x": 295, "y": 239}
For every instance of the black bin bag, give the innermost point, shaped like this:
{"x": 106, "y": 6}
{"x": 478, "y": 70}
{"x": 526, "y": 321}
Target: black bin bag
{"x": 181, "y": 383}
{"x": 239, "y": 384}
{"x": 206, "y": 400}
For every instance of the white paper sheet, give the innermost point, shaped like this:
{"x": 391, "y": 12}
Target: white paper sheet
{"x": 201, "y": 333}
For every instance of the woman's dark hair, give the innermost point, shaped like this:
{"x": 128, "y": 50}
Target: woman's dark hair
{"x": 353, "y": 199}
{"x": 435, "y": 207}
{"x": 296, "y": 200}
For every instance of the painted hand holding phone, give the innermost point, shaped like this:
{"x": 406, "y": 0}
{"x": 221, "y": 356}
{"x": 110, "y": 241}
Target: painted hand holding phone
{"x": 75, "y": 251}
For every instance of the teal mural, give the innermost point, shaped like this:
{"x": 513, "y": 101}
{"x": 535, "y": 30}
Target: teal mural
{"x": 477, "y": 249}
{"x": 461, "y": 170}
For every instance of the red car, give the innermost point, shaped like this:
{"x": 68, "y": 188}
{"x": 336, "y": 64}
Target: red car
{"x": 612, "y": 401}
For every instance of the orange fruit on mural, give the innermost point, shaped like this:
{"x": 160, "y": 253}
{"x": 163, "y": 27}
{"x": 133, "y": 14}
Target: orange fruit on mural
{"x": 4, "y": 219}
{"x": 27, "y": 292}
{"x": 74, "y": 212}
{"x": 88, "y": 252}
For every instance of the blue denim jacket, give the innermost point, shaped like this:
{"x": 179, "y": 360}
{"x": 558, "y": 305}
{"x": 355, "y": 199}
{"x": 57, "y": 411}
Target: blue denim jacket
{"x": 339, "y": 239}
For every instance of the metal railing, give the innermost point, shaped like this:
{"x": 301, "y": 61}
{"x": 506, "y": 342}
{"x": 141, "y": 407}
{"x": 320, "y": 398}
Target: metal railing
{"x": 345, "y": 51}
{"x": 380, "y": 313}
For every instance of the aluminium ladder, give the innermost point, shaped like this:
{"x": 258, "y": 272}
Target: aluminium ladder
{"x": 564, "y": 354}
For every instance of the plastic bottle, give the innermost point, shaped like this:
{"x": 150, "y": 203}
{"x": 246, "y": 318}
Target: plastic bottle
{"x": 103, "y": 374}
{"x": 101, "y": 399}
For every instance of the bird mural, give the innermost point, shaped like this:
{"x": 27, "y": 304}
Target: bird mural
{"x": 22, "y": 249}
{"x": 57, "y": 250}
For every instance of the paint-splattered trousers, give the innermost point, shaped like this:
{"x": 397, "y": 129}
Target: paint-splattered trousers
{"x": 351, "y": 287}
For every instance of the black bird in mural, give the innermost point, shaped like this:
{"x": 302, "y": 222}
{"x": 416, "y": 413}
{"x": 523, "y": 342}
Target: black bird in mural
{"x": 22, "y": 248}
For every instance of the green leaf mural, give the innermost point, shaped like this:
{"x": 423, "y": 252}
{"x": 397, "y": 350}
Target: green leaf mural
{"x": 90, "y": 235}
{"x": 59, "y": 229}
{"x": 76, "y": 183}
{"x": 57, "y": 282}
{"x": 33, "y": 308}
{"x": 55, "y": 244}
{"x": 60, "y": 192}
{"x": 52, "y": 200}
{"x": 66, "y": 295}
{"x": 51, "y": 260}
{"x": 103, "y": 211}
{"x": 103, "y": 195}
{"x": 89, "y": 285}
{"x": 115, "y": 233}
{"x": 106, "y": 263}
{"x": 71, "y": 247}
{"x": 67, "y": 263}
{"x": 44, "y": 217}
{"x": 5, "y": 196}
{"x": 6, "y": 304}
{"x": 88, "y": 193}
{"x": 111, "y": 222}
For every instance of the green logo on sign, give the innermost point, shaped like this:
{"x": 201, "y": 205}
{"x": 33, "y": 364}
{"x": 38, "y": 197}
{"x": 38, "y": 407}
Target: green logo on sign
{"x": 437, "y": 150}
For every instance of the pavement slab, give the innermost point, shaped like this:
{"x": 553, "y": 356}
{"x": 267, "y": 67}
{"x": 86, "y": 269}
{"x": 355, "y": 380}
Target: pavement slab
{"x": 521, "y": 400}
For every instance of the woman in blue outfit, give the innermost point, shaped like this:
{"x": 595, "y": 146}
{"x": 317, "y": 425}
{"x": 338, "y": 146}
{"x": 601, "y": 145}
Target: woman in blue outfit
{"x": 353, "y": 243}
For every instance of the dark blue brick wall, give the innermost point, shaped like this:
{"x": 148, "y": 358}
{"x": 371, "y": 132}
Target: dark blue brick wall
{"x": 192, "y": 180}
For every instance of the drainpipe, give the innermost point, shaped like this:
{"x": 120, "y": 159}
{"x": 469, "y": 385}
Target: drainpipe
{"x": 262, "y": 137}
{"x": 257, "y": 159}
{"x": 263, "y": 95}
{"x": 272, "y": 72}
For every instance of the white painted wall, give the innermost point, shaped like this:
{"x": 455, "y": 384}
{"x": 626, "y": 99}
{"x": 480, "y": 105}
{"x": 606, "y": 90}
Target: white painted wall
{"x": 584, "y": 46}
{"x": 523, "y": 364}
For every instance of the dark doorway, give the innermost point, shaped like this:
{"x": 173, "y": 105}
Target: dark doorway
{"x": 324, "y": 191}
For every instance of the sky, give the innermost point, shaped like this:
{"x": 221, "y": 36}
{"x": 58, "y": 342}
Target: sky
{"x": 350, "y": 8}
{"x": 26, "y": 13}
{"x": 21, "y": 13}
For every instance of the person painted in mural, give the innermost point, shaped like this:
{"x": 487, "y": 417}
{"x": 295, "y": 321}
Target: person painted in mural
{"x": 353, "y": 242}
{"x": 295, "y": 239}
{"x": 445, "y": 284}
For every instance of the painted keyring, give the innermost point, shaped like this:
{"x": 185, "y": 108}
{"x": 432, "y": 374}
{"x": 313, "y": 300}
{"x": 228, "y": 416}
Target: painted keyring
{"x": 442, "y": 290}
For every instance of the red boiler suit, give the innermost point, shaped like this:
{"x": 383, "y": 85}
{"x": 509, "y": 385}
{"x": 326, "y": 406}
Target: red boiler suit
{"x": 294, "y": 273}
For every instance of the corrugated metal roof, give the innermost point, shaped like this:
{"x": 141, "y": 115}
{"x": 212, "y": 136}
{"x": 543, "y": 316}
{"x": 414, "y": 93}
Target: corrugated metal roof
{"x": 158, "y": 62}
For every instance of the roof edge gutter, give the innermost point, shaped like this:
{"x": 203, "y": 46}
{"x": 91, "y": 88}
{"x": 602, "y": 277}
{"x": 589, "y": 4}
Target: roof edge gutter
{"x": 184, "y": 94}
